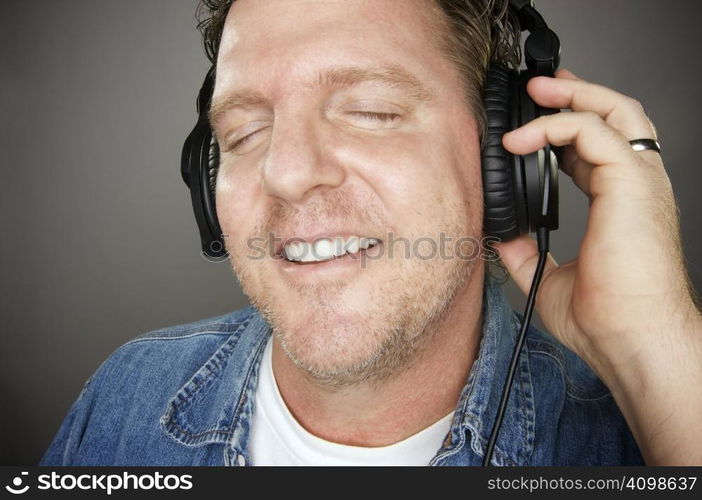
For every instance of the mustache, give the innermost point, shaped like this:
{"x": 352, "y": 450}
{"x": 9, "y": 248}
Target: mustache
{"x": 330, "y": 209}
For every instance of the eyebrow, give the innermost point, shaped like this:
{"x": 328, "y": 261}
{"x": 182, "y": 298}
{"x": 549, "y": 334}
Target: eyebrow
{"x": 340, "y": 77}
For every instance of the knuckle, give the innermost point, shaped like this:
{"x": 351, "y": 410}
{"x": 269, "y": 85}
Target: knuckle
{"x": 635, "y": 105}
{"x": 592, "y": 117}
{"x": 638, "y": 109}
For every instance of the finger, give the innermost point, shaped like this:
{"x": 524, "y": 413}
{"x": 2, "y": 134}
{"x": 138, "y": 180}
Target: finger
{"x": 565, "y": 73}
{"x": 520, "y": 257}
{"x": 576, "y": 168}
{"x": 594, "y": 141}
{"x": 617, "y": 110}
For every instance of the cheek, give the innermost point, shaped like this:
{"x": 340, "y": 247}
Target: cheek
{"x": 419, "y": 177}
{"x": 235, "y": 201}
{"x": 466, "y": 175}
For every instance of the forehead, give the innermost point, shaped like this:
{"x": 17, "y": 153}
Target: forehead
{"x": 267, "y": 39}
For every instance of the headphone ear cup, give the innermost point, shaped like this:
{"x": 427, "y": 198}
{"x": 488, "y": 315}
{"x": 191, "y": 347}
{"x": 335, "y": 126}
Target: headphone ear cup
{"x": 213, "y": 167}
{"x": 505, "y": 214}
{"x": 199, "y": 167}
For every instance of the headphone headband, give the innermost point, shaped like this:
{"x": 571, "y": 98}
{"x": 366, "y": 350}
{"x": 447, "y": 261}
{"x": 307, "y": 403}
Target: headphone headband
{"x": 542, "y": 49}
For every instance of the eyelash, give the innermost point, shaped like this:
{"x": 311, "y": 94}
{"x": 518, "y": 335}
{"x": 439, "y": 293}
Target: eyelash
{"x": 382, "y": 117}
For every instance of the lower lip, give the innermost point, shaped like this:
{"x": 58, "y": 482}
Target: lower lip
{"x": 336, "y": 266}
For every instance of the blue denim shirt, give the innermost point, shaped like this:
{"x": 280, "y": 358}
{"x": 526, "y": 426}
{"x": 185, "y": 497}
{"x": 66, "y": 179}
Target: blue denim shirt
{"x": 185, "y": 395}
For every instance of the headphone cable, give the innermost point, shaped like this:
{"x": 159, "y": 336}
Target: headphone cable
{"x": 542, "y": 237}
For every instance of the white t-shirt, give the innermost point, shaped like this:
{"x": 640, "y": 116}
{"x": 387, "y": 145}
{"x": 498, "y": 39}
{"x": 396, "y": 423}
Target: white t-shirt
{"x": 278, "y": 439}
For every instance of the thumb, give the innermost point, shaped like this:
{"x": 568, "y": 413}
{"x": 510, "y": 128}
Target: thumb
{"x": 520, "y": 257}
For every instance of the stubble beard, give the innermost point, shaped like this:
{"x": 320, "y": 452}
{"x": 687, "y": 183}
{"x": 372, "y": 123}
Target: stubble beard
{"x": 390, "y": 337}
{"x": 398, "y": 317}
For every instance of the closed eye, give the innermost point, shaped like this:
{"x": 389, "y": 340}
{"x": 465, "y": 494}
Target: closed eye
{"x": 244, "y": 140}
{"x": 238, "y": 146}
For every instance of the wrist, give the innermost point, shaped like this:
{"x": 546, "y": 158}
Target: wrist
{"x": 655, "y": 384}
{"x": 622, "y": 358}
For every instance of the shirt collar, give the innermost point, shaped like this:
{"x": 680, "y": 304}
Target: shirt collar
{"x": 206, "y": 411}
{"x": 216, "y": 404}
{"x": 477, "y": 406}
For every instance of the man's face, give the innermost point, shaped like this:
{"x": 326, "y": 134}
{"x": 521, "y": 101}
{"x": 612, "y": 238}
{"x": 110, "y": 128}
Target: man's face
{"x": 342, "y": 118}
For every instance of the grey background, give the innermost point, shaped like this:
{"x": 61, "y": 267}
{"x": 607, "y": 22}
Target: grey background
{"x": 99, "y": 243}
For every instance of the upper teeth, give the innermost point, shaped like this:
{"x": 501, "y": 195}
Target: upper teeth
{"x": 327, "y": 248}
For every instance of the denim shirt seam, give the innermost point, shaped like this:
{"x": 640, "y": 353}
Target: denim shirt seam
{"x": 180, "y": 337}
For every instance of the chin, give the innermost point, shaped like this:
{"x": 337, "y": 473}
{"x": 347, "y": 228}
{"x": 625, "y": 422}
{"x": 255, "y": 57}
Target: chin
{"x": 364, "y": 329}
{"x": 326, "y": 336}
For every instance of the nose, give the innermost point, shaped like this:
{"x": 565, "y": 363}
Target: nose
{"x": 298, "y": 162}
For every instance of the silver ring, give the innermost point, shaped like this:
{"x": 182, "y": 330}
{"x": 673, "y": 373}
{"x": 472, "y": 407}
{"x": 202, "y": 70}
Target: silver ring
{"x": 644, "y": 144}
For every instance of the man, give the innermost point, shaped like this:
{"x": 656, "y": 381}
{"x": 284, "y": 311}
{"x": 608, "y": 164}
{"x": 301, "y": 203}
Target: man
{"x": 361, "y": 120}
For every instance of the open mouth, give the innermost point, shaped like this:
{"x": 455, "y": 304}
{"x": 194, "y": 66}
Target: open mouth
{"x": 327, "y": 249}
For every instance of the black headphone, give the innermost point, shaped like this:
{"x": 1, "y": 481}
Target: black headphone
{"x": 520, "y": 192}
{"x": 199, "y": 164}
